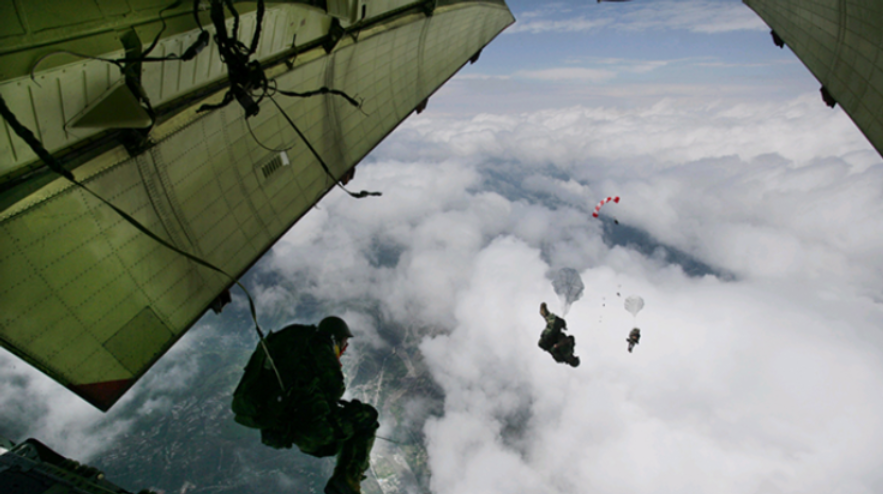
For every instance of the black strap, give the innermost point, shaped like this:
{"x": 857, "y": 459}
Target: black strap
{"x": 358, "y": 195}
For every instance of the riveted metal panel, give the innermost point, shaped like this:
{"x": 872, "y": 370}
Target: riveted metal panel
{"x": 840, "y": 42}
{"x": 78, "y": 277}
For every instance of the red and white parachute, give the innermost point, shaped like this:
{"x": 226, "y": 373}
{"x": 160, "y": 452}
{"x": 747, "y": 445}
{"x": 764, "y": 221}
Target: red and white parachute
{"x": 603, "y": 202}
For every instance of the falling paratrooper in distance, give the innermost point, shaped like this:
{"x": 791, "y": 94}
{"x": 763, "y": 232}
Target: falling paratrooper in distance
{"x": 595, "y": 213}
{"x": 569, "y": 286}
{"x": 554, "y": 341}
{"x": 634, "y": 304}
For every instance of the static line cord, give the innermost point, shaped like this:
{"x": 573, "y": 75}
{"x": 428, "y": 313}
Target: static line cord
{"x": 388, "y": 439}
{"x": 259, "y": 143}
{"x": 26, "y": 135}
{"x": 358, "y": 195}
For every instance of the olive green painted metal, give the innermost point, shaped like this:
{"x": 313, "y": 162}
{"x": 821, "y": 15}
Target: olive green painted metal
{"x": 93, "y": 303}
{"x": 50, "y": 102}
{"x": 841, "y": 43}
{"x": 117, "y": 109}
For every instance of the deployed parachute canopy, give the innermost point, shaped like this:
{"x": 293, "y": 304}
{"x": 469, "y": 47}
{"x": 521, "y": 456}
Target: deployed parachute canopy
{"x": 634, "y": 304}
{"x": 569, "y": 287}
{"x": 603, "y": 202}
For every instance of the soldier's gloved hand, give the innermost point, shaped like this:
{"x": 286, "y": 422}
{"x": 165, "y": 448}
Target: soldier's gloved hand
{"x": 350, "y": 407}
{"x": 319, "y": 408}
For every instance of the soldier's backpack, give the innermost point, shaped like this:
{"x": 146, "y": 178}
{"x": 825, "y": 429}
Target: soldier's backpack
{"x": 258, "y": 401}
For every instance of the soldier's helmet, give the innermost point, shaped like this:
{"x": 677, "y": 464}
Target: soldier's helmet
{"x": 336, "y": 327}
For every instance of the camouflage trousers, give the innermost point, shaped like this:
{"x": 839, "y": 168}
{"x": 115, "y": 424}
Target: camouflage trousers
{"x": 563, "y": 351}
{"x": 560, "y": 346}
{"x": 347, "y": 431}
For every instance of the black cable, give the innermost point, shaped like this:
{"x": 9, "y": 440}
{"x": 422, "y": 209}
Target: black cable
{"x": 388, "y": 439}
{"x": 44, "y": 57}
{"x": 194, "y": 49}
{"x": 232, "y": 8}
{"x": 257, "y": 29}
{"x": 191, "y": 52}
{"x": 322, "y": 90}
{"x": 259, "y": 143}
{"x": 177, "y": 3}
{"x": 358, "y": 195}
{"x": 244, "y": 76}
{"x": 29, "y": 138}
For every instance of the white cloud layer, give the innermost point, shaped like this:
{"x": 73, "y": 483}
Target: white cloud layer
{"x": 800, "y": 180}
{"x": 700, "y": 16}
{"x": 568, "y": 74}
{"x": 766, "y": 383}
{"x": 579, "y": 24}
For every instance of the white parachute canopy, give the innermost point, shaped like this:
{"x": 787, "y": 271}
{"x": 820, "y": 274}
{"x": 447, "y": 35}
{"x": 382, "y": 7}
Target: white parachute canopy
{"x": 634, "y": 304}
{"x": 569, "y": 287}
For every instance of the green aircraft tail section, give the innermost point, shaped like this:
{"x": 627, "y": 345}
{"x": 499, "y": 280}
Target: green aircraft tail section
{"x": 93, "y": 302}
{"x": 841, "y": 43}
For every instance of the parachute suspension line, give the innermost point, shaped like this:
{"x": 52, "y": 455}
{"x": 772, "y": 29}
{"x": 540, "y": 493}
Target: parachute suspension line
{"x": 387, "y": 439}
{"x": 26, "y": 135}
{"x": 358, "y": 195}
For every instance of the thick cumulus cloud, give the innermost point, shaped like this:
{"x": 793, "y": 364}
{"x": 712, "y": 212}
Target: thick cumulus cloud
{"x": 788, "y": 189}
{"x": 701, "y": 16}
{"x": 764, "y": 381}
{"x": 736, "y": 387}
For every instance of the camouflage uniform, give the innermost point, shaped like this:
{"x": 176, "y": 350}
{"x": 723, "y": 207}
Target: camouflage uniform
{"x": 552, "y": 332}
{"x": 634, "y": 338}
{"x": 310, "y": 414}
{"x": 554, "y": 341}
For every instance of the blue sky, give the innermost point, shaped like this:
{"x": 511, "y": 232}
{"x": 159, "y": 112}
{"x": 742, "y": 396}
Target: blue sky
{"x": 566, "y": 53}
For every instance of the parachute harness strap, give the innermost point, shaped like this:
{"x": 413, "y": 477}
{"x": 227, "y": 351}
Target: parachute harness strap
{"x": 29, "y": 138}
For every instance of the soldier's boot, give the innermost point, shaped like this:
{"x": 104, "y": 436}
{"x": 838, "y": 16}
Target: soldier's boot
{"x": 570, "y": 345}
{"x": 340, "y": 484}
{"x": 276, "y": 438}
{"x": 352, "y": 462}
